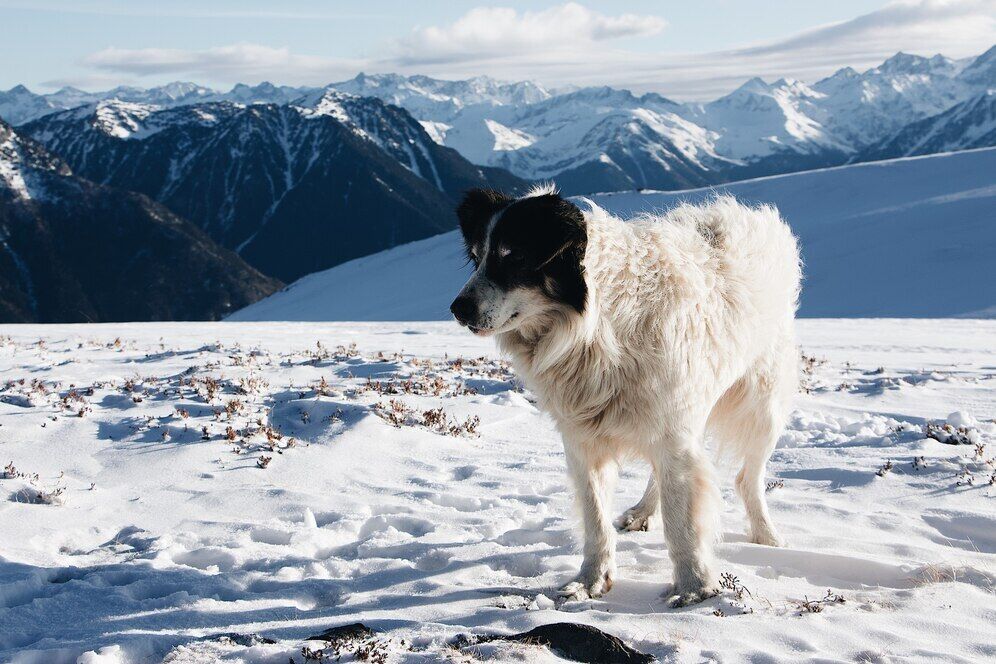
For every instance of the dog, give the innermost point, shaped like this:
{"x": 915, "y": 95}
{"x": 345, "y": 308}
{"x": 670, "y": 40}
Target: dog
{"x": 638, "y": 338}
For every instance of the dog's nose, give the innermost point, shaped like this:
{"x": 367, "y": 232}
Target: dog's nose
{"x": 464, "y": 309}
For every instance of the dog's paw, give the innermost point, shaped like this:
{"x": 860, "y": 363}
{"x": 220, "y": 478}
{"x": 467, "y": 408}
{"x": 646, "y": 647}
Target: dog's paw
{"x": 678, "y": 598}
{"x": 635, "y": 520}
{"x": 584, "y": 588}
{"x": 768, "y": 540}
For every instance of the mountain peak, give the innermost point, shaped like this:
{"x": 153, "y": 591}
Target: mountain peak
{"x": 180, "y": 89}
{"x": 841, "y": 76}
{"x": 982, "y": 70}
{"x": 907, "y": 63}
{"x": 754, "y": 85}
{"x": 902, "y": 59}
{"x": 987, "y": 57}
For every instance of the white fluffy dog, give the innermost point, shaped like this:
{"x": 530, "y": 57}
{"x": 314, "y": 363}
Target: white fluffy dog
{"x": 639, "y": 338}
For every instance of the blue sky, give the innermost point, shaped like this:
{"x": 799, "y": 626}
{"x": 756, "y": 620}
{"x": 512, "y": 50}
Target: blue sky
{"x": 691, "y": 49}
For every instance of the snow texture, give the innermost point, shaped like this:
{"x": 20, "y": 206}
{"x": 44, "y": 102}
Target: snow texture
{"x": 219, "y": 492}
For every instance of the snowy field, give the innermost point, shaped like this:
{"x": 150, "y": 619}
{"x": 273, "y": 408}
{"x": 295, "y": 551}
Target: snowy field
{"x": 175, "y": 489}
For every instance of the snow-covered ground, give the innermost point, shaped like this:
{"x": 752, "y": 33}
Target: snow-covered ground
{"x": 909, "y": 237}
{"x": 138, "y": 524}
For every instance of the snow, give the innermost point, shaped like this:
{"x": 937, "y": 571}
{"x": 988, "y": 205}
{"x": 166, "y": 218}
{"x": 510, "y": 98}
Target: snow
{"x": 435, "y": 130}
{"x": 11, "y": 166}
{"x": 907, "y": 237}
{"x": 169, "y": 543}
{"x": 124, "y": 119}
{"x": 508, "y": 139}
{"x": 18, "y": 158}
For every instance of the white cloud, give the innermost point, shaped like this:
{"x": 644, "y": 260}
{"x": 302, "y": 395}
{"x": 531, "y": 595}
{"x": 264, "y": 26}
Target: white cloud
{"x": 485, "y": 32}
{"x": 572, "y": 44}
{"x": 244, "y": 62}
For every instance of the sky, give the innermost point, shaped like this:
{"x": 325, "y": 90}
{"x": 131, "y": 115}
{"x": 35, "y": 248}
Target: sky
{"x": 695, "y": 49}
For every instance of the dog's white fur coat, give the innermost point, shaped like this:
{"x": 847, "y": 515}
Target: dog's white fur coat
{"x": 688, "y": 328}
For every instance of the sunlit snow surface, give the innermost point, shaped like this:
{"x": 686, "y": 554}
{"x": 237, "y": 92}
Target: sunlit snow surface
{"x": 166, "y": 532}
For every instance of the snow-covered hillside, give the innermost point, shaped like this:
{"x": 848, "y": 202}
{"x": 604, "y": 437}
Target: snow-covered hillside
{"x": 908, "y": 237}
{"x": 196, "y": 493}
{"x": 970, "y": 124}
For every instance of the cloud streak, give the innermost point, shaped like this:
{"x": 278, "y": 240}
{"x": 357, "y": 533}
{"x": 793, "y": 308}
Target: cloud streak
{"x": 570, "y": 44}
{"x": 244, "y": 62}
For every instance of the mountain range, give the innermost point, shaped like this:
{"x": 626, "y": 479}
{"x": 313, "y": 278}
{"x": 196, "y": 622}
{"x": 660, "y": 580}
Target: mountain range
{"x": 594, "y": 139}
{"x": 72, "y": 250}
{"x": 293, "y": 188}
{"x": 293, "y": 180}
{"x": 603, "y": 139}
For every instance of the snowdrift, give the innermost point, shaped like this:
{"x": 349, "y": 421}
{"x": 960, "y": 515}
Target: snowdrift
{"x": 902, "y": 238}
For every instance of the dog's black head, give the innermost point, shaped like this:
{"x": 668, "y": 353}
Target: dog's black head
{"x": 528, "y": 255}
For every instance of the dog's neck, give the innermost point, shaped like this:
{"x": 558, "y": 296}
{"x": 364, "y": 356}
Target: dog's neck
{"x": 553, "y": 338}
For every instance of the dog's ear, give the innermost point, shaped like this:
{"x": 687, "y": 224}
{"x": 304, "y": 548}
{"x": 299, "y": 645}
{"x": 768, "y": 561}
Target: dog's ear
{"x": 561, "y": 231}
{"x": 562, "y": 240}
{"x": 476, "y": 210}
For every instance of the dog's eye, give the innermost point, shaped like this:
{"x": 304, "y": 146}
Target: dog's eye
{"x": 506, "y": 253}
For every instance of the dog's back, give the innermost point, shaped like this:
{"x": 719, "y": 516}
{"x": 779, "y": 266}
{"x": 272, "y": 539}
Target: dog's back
{"x": 723, "y": 266}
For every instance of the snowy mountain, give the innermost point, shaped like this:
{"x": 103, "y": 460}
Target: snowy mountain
{"x": 291, "y": 188}
{"x": 863, "y": 108}
{"x": 603, "y": 139}
{"x": 72, "y": 250}
{"x": 905, "y": 238}
{"x": 19, "y": 105}
{"x": 437, "y": 100}
{"x": 600, "y": 139}
{"x": 970, "y": 124}
{"x": 981, "y": 71}
{"x": 432, "y": 97}
{"x": 594, "y": 139}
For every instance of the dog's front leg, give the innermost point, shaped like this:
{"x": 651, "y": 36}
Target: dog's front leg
{"x": 593, "y": 477}
{"x": 689, "y": 499}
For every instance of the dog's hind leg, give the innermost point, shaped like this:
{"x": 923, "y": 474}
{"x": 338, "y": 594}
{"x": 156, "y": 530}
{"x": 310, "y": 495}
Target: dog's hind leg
{"x": 593, "y": 476}
{"x": 642, "y": 515}
{"x": 750, "y": 417}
